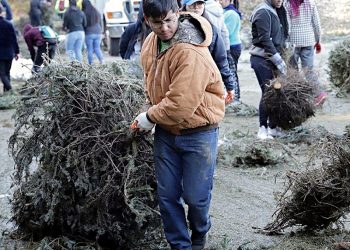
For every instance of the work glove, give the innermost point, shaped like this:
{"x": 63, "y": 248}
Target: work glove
{"x": 142, "y": 123}
{"x": 277, "y": 60}
{"x": 317, "y": 48}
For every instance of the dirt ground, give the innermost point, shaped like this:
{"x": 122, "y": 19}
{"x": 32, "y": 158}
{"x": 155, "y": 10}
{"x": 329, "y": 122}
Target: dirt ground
{"x": 243, "y": 198}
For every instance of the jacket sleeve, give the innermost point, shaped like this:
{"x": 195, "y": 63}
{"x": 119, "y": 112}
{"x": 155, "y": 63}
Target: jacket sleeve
{"x": 236, "y": 25}
{"x": 316, "y": 24}
{"x": 30, "y": 43}
{"x": 124, "y": 40}
{"x": 262, "y": 22}
{"x": 84, "y": 20}
{"x": 189, "y": 81}
{"x": 225, "y": 34}
{"x": 219, "y": 55}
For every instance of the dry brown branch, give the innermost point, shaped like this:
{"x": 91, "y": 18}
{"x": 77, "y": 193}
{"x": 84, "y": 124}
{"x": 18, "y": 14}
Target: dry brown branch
{"x": 316, "y": 198}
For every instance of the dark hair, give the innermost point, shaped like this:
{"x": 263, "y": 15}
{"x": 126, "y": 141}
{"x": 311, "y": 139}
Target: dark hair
{"x": 91, "y": 13}
{"x": 236, "y": 4}
{"x": 159, "y": 8}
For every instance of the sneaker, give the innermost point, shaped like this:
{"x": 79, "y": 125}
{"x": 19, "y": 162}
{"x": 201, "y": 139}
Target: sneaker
{"x": 198, "y": 243}
{"x": 262, "y": 133}
{"x": 275, "y": 132}
{"x": 320, "y": 99}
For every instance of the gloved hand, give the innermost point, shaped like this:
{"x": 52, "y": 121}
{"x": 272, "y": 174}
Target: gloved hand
{"x": 142, "y": 123}
{"x": 277, "y": 60}
{"x": 317, "y": 48}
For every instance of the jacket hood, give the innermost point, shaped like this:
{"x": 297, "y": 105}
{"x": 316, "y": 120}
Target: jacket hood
{"x": 26, "y": 28}
{"x": 231, "y": 7}
{"x": 193, "y": 29}
{"x": 214, "y": 8}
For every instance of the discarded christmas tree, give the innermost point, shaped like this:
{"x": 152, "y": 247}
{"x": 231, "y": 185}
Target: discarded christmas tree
{"x": 289, "y": 100}
{"x": 80, "y": 171}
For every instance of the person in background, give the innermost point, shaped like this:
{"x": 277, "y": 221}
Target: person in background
{"x": 8, "y": 10}
{"x": 216, "y": 48}
{"x": 185, "y": 93}
{"x": 215, "y": 15}
{"x": 93, "y": 31}
{"x": 269, "y": 33}
{"x": 35, "y": 12}
{"x": 47, "y": 13}
{"x": 305, "y": 36}
{"x": 133, "y": 37}
{"x": 61, "y": 7}
{"x": 8, "y": 50}
{"x": 232, "y": 19}
{"x": 74, "y": 22}
{"x": 34, "y": 38}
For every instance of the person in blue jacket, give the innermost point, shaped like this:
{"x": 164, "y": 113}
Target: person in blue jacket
{"x": 216, "y": 48}
{"x": 132, "y": 39}
{"x": 8, "y": 50}
{"x": 232, "y": 19}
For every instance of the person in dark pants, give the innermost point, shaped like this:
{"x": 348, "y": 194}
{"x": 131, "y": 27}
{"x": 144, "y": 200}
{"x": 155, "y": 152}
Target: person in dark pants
{"x": 217, "y": 48}
{"x": 269, "y": 32}
{"x": 186, "y": 102}
{"x": 8, "y": 50}
{"x": 34, "y": 38}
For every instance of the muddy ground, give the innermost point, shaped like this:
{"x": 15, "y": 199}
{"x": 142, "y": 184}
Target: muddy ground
{"x": 243, "y": 198}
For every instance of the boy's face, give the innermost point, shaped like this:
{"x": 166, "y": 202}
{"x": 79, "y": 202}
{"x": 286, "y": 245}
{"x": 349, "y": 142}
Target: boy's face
{"x": 166, "y": 27}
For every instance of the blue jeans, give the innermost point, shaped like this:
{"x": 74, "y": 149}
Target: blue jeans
{"x": 93, "y": 44}
{"x": 235, "y": 52}
{"x": 74, "y": 45}
{"x": 306, "y": 56}
{"x": 184, "y": 169}
{"x": 263, "y": 72}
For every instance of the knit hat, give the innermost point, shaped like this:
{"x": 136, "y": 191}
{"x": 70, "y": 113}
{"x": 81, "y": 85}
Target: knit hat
{"x": 189, "y": 2}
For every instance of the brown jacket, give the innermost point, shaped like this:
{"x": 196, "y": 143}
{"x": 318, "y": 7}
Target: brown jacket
{"x": 183, "y": 83}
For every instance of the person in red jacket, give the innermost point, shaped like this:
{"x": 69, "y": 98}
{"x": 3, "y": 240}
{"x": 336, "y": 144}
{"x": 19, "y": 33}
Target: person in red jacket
{"x": 34, "y": 38}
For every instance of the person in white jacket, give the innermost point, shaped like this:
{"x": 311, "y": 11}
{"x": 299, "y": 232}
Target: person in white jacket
{"x": 216, "y": 17}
